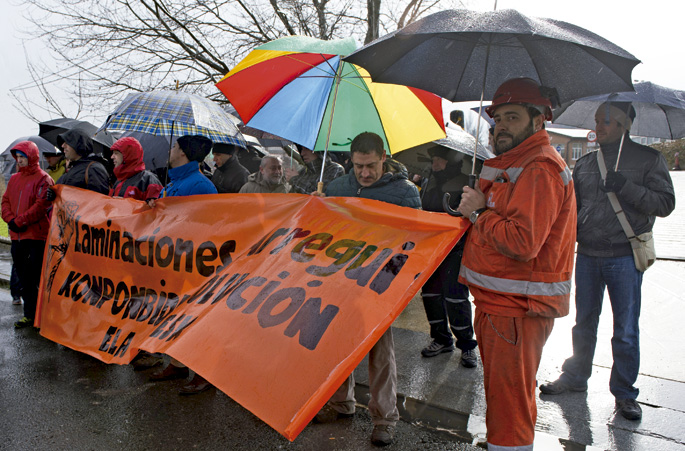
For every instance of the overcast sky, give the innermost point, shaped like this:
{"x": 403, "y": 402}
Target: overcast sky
{"x": 650, "y": 30}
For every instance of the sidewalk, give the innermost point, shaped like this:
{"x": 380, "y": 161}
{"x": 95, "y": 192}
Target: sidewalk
{"x": 440, "y": 393}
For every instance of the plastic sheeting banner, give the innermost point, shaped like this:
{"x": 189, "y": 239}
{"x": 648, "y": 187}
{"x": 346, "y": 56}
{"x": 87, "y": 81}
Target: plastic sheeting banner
{"x": 273, "y": 298}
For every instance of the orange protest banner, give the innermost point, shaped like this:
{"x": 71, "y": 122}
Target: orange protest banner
{"x": 310, "y": 282}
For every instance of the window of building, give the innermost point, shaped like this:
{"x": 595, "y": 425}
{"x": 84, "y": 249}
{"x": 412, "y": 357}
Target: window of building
{"x": 577, "y": 149}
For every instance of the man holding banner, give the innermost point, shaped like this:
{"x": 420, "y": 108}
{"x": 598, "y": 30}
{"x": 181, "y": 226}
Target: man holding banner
{"x": 186, "y": 180}
{"x": 371, "y": 180}
{"x": 518, "y": 257}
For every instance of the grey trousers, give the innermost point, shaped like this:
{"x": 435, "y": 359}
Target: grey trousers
{"x": 382, "y": 385}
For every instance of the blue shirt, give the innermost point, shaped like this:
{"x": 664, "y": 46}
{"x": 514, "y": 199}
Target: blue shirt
{"x": 187, "y": 180}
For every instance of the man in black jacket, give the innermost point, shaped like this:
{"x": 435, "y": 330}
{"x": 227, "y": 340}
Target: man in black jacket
{"x": 604, "y": 259}
{"x": 86, "y": 170}
{"x": 229, "y": 175}
{"x": 445, "y": 300}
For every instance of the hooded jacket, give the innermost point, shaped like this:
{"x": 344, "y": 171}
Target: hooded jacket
{"x": 25, "y": 199}
{"x": 450, "y": 180}
{"x": 89, "y": 171}
{"x": 230, "y": 177}
{"x": 393, "y": 188}
{"x": 518, "y": 259}
{"x": 58, "y": 171}
{"x": 187, "y": 180}
{"x": 257, "y": 184}
{"x": 647, "y": 193}
{"x": 307, "y": 180}
{"x": 132, "y": 178}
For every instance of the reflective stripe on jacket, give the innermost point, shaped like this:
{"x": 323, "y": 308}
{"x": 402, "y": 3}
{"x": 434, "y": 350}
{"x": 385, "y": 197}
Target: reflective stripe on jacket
{"x": 518, "y": 258}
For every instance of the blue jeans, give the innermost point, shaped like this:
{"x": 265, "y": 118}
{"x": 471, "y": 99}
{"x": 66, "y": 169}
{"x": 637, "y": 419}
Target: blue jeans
{"x": 623, "y": 281}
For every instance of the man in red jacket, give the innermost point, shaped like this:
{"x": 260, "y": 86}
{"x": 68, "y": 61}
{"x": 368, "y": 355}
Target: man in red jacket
{"x": 518, "y": 257}
{"x": 133, "y": 180}
{"x": 25, "y": 210}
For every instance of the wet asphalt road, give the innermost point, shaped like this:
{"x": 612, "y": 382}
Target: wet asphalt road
{"x": 54, "y": 398}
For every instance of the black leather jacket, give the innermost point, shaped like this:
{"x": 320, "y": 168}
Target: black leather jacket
{"x": 647, "y": 193}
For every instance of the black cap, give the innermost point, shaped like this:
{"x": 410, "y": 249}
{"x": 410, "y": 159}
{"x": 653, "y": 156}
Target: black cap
{"x": 196, "y": 147}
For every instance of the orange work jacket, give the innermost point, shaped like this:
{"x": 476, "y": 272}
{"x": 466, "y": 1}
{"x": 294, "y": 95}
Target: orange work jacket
{"x": 518, "y": 258}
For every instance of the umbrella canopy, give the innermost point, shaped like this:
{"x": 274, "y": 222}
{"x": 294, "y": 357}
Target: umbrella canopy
{"x": 155, "y": 149}
{"x": 49, "y": 130}
{"x": 660, "y": 111}
{"x": 298, "y": 88}
{"x": 449, "y": 52}
{"x": 8, "y": 163}
{"x": 418, "y": 161}
{"x": 174, "y": 114}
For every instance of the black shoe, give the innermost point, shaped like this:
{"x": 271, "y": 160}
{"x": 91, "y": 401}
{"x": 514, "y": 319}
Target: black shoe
{"x": 469, "y": 359}
{"x": 382, "y": 434}
{"x": 328, "y": 414}
{"x": 436, "y": 348}
{"x": 558, "y": 387}
{"x": 145, "y": 360}
{"x": 169, "y": 373}
{"x": 198, "y": 384}
{"x": 629, "y": 409}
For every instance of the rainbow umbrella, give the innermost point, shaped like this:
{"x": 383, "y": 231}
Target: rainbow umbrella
{"x": 300, "y": 89}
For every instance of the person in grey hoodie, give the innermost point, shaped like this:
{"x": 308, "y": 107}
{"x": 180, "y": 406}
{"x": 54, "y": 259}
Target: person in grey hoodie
{"x": 269, "y": 179}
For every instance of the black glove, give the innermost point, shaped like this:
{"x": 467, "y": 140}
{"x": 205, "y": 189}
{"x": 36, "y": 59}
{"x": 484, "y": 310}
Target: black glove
{"x": 614, "y": 182}
{"x": 15, "y": 228}
{"x": 50, "y": 195}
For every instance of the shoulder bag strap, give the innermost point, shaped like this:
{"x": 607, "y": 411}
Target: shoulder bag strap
{"x": 88, "y": 167}
{"x": 627, "y": 229}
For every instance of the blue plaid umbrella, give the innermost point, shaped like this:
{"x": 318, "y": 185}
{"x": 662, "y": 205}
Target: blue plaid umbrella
{"x": 174, "y": 114}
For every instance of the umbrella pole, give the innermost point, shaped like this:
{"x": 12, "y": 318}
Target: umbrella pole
{"x": 319, "y": 187}
{"x": 171, "y": 140}
{"x": 473, "y": 178}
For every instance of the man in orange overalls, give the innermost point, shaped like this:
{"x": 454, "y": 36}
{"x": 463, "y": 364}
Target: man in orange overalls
{"x": 518, "y": 257}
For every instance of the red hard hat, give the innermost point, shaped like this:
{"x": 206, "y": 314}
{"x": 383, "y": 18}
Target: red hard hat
{"x": 521, "y": 91}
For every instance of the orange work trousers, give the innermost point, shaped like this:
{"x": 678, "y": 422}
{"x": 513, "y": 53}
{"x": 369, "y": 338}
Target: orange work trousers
{"x": 510, "y": 349}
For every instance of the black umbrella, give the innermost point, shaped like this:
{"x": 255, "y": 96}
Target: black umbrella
{"x": 464, "y": 55}
{"x": 461, "y": 54}
{"x": 49, "y": 130}
{"x": 8, "y": 163}
{"x": 660, "y": 111}
{"x": 418, "y": 161}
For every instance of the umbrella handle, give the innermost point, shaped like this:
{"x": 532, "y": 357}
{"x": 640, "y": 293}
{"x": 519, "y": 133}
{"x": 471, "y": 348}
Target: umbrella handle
{"x": 319, "y": 187}
{"x": 446, "y": 198}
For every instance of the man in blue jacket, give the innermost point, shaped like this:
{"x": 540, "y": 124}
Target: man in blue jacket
{"x": 186, "y": 180}
{"x": 184, "y": 160}
{"x": 371, "y": 179}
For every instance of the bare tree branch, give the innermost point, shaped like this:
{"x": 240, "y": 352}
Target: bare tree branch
{"x": 104, "y": 49}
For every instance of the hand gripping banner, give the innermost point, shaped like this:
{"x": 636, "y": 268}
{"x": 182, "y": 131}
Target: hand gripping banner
{"x": 311, "y": 283}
